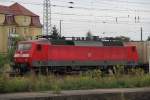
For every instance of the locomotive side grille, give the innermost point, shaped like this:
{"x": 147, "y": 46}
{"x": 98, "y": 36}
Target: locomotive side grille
{"x": 62, "y": 42}
{"x": 112, "y": 43}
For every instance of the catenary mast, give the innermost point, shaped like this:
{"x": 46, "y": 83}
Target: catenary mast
{"x": 47, "y": 17}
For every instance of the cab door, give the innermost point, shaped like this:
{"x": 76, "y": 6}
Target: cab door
{"x": 40, "y": 55}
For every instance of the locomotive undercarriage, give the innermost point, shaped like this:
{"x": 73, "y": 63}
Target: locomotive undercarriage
{"x": 20, "y": 68}
{"x": 24, "y": 68}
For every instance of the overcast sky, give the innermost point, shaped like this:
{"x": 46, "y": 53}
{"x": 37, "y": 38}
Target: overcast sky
{"x": 98, "y": 16}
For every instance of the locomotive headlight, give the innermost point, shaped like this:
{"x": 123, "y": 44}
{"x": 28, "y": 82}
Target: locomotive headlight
{"x": 17, "y": 55}
{"x": 22, "y": 55}
{"x": 25, "y": 55}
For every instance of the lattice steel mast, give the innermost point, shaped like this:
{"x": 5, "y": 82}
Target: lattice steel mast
{"x": 47, "y": 17}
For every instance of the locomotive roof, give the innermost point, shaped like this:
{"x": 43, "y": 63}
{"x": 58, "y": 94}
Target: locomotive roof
{"x": 35, "y": 41}
{"x": 75, "y": 42}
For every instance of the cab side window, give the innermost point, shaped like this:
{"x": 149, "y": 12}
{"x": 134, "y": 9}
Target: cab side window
{"x": 39, "y": 47}
{"x": 133, "y": 49}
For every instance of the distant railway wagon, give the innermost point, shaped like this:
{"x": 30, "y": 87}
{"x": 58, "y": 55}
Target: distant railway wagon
{"x": 72, "y": 55}
{"x": 143, "y": 49}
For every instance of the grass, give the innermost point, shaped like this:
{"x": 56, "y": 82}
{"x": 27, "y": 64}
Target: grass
{"x": 90, "y": 80}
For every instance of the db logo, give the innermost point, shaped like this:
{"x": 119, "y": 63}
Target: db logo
{"x": 89, "y": 54}
{"x": 21, "y": 52}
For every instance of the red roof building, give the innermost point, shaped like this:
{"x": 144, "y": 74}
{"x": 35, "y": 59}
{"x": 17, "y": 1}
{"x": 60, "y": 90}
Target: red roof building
{"x": 18, "y": 10}
{"x": 16, "y": 19}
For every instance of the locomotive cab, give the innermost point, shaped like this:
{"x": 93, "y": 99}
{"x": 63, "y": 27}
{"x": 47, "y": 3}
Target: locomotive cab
{"x": 23, "y": 52}
{"x": 22, "y": 56}
{"x": 28, "y": 53}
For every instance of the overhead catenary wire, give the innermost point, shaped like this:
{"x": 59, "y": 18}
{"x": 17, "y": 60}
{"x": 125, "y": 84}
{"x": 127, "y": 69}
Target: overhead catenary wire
{"x": 84, "y": 8}
{"x": 86, "y": 15}
{"x": 124, "y": 1}
{"x": 110, "y": 17}
{"x": 107, "y": 21}
{"x": 99, "y": 21}
{"x": 113, "y": 2}
{"x": 110, "y": 1}
{"x": 79, "y": 14}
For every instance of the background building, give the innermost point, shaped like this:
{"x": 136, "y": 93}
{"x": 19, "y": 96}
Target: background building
{"x": 17, "y": 20}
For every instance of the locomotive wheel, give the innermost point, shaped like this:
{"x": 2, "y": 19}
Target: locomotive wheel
{"x": 109, "y": 70}
{"x": 15, "y": 72}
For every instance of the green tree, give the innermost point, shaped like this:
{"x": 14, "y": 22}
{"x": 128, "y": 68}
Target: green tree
{"x": 89, "y": 35}
{"x": 148, "y": 39}
{"x": 7, "y": 59}
{"x": 55, "y": 33}
{"x": 2, "y": 60}
{"x": 11, "y": 51}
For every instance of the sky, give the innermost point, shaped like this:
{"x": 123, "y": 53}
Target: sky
{"x": 104, "y": 18}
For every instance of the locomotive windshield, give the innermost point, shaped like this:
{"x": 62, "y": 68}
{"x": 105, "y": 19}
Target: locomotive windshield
{"x": 24, "y": 46}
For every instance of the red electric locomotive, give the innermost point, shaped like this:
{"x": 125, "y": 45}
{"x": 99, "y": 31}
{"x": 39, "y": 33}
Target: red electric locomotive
{"x": 71, "y": 55}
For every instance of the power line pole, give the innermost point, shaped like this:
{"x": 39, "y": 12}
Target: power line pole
{"x": 141, "y": 34}
{"x": 60, "y": 27}
{"x": 47, "y": 17}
